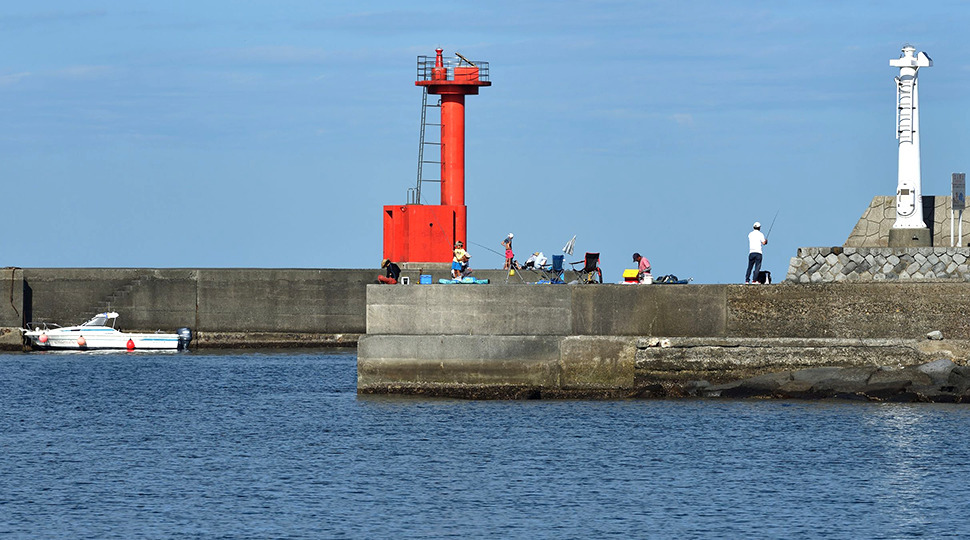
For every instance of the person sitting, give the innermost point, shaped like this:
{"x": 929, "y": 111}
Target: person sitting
{"x": 643, "y": 268}
{"x": 536, "y": 260}
{"x": 393, "y": 272}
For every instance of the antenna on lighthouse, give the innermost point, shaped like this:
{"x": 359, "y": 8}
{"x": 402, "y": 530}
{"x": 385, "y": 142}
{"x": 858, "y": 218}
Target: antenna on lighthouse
{"x": 909, "y": 230}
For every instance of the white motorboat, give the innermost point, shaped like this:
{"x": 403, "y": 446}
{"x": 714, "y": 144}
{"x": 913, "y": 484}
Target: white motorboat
{"x": 100, "y": 333}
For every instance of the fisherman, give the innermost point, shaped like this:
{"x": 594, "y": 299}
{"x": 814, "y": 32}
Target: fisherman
{"x": 507, "y": 242}
{"x": 459, "y": 264}
{"x": 393, "y": 273}
{"x": 643, "y": 268}
{"x": 755, "y": 241}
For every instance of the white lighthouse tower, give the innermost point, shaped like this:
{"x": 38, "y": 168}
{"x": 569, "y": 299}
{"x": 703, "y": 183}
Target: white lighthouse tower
{"x": 909, "y": 230}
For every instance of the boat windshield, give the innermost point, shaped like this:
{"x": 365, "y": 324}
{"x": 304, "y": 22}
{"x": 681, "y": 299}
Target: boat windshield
{"x": 100, "y": 320}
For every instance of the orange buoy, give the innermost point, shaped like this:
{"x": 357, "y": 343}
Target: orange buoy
{"x": 130, "y": 345}
{"x": 81, "y": 342}
{"x": 42, "y": 338}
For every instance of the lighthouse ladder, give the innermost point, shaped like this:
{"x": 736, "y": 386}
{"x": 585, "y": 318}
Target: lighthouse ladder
{"x": 904, "y": 111}
{"x": 414, "y": 194}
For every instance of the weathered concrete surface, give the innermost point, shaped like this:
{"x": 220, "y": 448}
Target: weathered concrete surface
{"x": 281, "y": 300}
{"x": 939, "y": 381}
{"x": 273, "y": 340}
{"x": 11, "y": 307}
{"x": 849, "y": 310}
{"x": 597, "y": 365}
{"x": 469, "y": 310}
{"x": 872, "y": 229}
{"x": 503, "y": 367}
{"x": 224, "y": 307}
{"x": 500, "y": 366}
{"x": 148, "y": 299}
{"x": 712, "y": 335}
{"x": 649, "y": 310}
{"x": 724, "y": 360}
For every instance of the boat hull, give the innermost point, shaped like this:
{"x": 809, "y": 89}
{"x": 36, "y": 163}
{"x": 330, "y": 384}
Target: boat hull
{"x": 94, "y": 339}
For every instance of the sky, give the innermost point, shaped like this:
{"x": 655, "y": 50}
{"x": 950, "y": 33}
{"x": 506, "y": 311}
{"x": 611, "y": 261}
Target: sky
{"x": 271, "y": 134}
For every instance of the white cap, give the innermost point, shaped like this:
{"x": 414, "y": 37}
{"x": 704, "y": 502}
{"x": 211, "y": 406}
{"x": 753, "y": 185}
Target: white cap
{"x": 757, "y": 224}
{"x": 511, "y": 235}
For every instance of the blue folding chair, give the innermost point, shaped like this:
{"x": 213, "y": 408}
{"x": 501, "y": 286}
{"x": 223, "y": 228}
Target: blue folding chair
{"x": 554, "y": 272}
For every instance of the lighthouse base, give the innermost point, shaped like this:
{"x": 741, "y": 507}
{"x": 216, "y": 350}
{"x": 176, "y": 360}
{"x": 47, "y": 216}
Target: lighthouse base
{"x": 907, "y": 238}
{"x": 423, "y": 233}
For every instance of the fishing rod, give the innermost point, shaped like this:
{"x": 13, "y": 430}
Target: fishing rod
{"x": 772, "y": 224}
{"x": 488, "y": 248}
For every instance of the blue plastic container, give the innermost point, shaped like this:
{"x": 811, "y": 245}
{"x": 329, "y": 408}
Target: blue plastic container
{"x": 425, "y": 279}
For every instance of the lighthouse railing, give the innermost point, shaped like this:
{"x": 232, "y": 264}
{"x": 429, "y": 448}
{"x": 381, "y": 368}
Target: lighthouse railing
{"x": 426, "y": 65}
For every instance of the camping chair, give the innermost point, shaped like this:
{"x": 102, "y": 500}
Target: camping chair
{"x": 554, "y": 272}
{"x": 590, "y": 272}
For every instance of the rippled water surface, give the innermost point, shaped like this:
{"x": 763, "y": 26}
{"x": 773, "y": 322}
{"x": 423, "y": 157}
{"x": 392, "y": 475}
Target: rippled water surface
{"x": 278, "y": 445}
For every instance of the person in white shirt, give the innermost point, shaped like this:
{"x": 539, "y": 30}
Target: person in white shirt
{"x": 755, "y": 241}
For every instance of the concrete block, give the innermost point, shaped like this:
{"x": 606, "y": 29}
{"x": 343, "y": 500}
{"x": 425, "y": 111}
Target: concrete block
{"x": 643, "y": 310}
{"x": 469, "y": 310}
{"x": 12, "y": 314}
{"x": 388, "y": 361}
{"x": 283, "y": 300}
{"x": 597, "y": 362}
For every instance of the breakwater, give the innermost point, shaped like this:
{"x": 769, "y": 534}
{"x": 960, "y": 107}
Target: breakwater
{"x": 508, "y": 340}
{"x": 225, "y": 307}
{"x": 664, "y": 340}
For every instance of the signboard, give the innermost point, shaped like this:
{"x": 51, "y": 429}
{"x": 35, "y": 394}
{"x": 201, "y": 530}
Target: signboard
{"x": 959, "y": 191}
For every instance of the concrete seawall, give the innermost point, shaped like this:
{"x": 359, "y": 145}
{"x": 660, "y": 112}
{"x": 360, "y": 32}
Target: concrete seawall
{"x": 225, "y": 307}
{"x": 514, "y": 340}
{"x": 622, "y": 340}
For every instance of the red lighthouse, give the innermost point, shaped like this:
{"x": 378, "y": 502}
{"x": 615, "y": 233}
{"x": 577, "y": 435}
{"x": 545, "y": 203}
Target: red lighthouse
{"x": 423, "y": 233}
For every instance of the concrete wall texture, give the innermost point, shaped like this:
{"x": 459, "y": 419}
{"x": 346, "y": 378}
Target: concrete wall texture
{"x": 564, "y": 340}
{"x": 224, "y": 307}
{"x": 872, "y": 229}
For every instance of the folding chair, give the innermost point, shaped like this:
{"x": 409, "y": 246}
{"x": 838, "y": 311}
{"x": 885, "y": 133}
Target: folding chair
{"x": 554, "y": 272}
{"x": 590, "y": 272}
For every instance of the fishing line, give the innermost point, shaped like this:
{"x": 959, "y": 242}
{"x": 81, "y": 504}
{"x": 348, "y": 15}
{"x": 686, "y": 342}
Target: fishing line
{"x": 488, "y": 248}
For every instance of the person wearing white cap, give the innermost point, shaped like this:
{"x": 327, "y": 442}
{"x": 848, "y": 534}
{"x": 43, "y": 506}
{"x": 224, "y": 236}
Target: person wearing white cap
{"x": 507, "y": 242}
{"x": 755, "y": 241}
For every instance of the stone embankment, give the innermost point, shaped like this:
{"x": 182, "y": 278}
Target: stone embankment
{"x": 869, "y": 369}
{"x": 862, "y": 264}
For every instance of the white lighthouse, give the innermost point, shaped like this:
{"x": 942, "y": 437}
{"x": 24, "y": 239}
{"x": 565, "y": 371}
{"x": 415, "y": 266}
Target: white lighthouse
{"x": 909, "y": 230}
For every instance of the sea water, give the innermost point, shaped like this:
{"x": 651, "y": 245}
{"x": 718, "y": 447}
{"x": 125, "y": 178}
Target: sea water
{"x": 279, "y": 445}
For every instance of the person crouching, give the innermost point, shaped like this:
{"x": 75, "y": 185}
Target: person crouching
{"x": 392, "y": 275}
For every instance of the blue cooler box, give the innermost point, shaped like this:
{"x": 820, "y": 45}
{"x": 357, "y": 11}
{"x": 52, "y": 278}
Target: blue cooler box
{"x": 425, "y": 279}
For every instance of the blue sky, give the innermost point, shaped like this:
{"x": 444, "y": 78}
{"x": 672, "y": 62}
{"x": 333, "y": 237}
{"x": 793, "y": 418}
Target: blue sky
{"x": 270, "y": 134}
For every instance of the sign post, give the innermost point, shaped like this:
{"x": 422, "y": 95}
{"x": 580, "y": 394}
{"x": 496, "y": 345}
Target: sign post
{"x": 958, "y": 203}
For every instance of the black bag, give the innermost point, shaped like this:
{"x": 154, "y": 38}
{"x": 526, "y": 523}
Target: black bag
{"x": 764, "y": 277}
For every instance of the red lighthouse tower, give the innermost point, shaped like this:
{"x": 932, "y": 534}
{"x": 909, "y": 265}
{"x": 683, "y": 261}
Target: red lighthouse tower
{"x": 423, "y": 233}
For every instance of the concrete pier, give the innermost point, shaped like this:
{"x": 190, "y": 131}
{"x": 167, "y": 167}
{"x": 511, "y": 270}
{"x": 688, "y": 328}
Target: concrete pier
{"x": 513, "y": 340}
{"x": 629, "y": 340}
